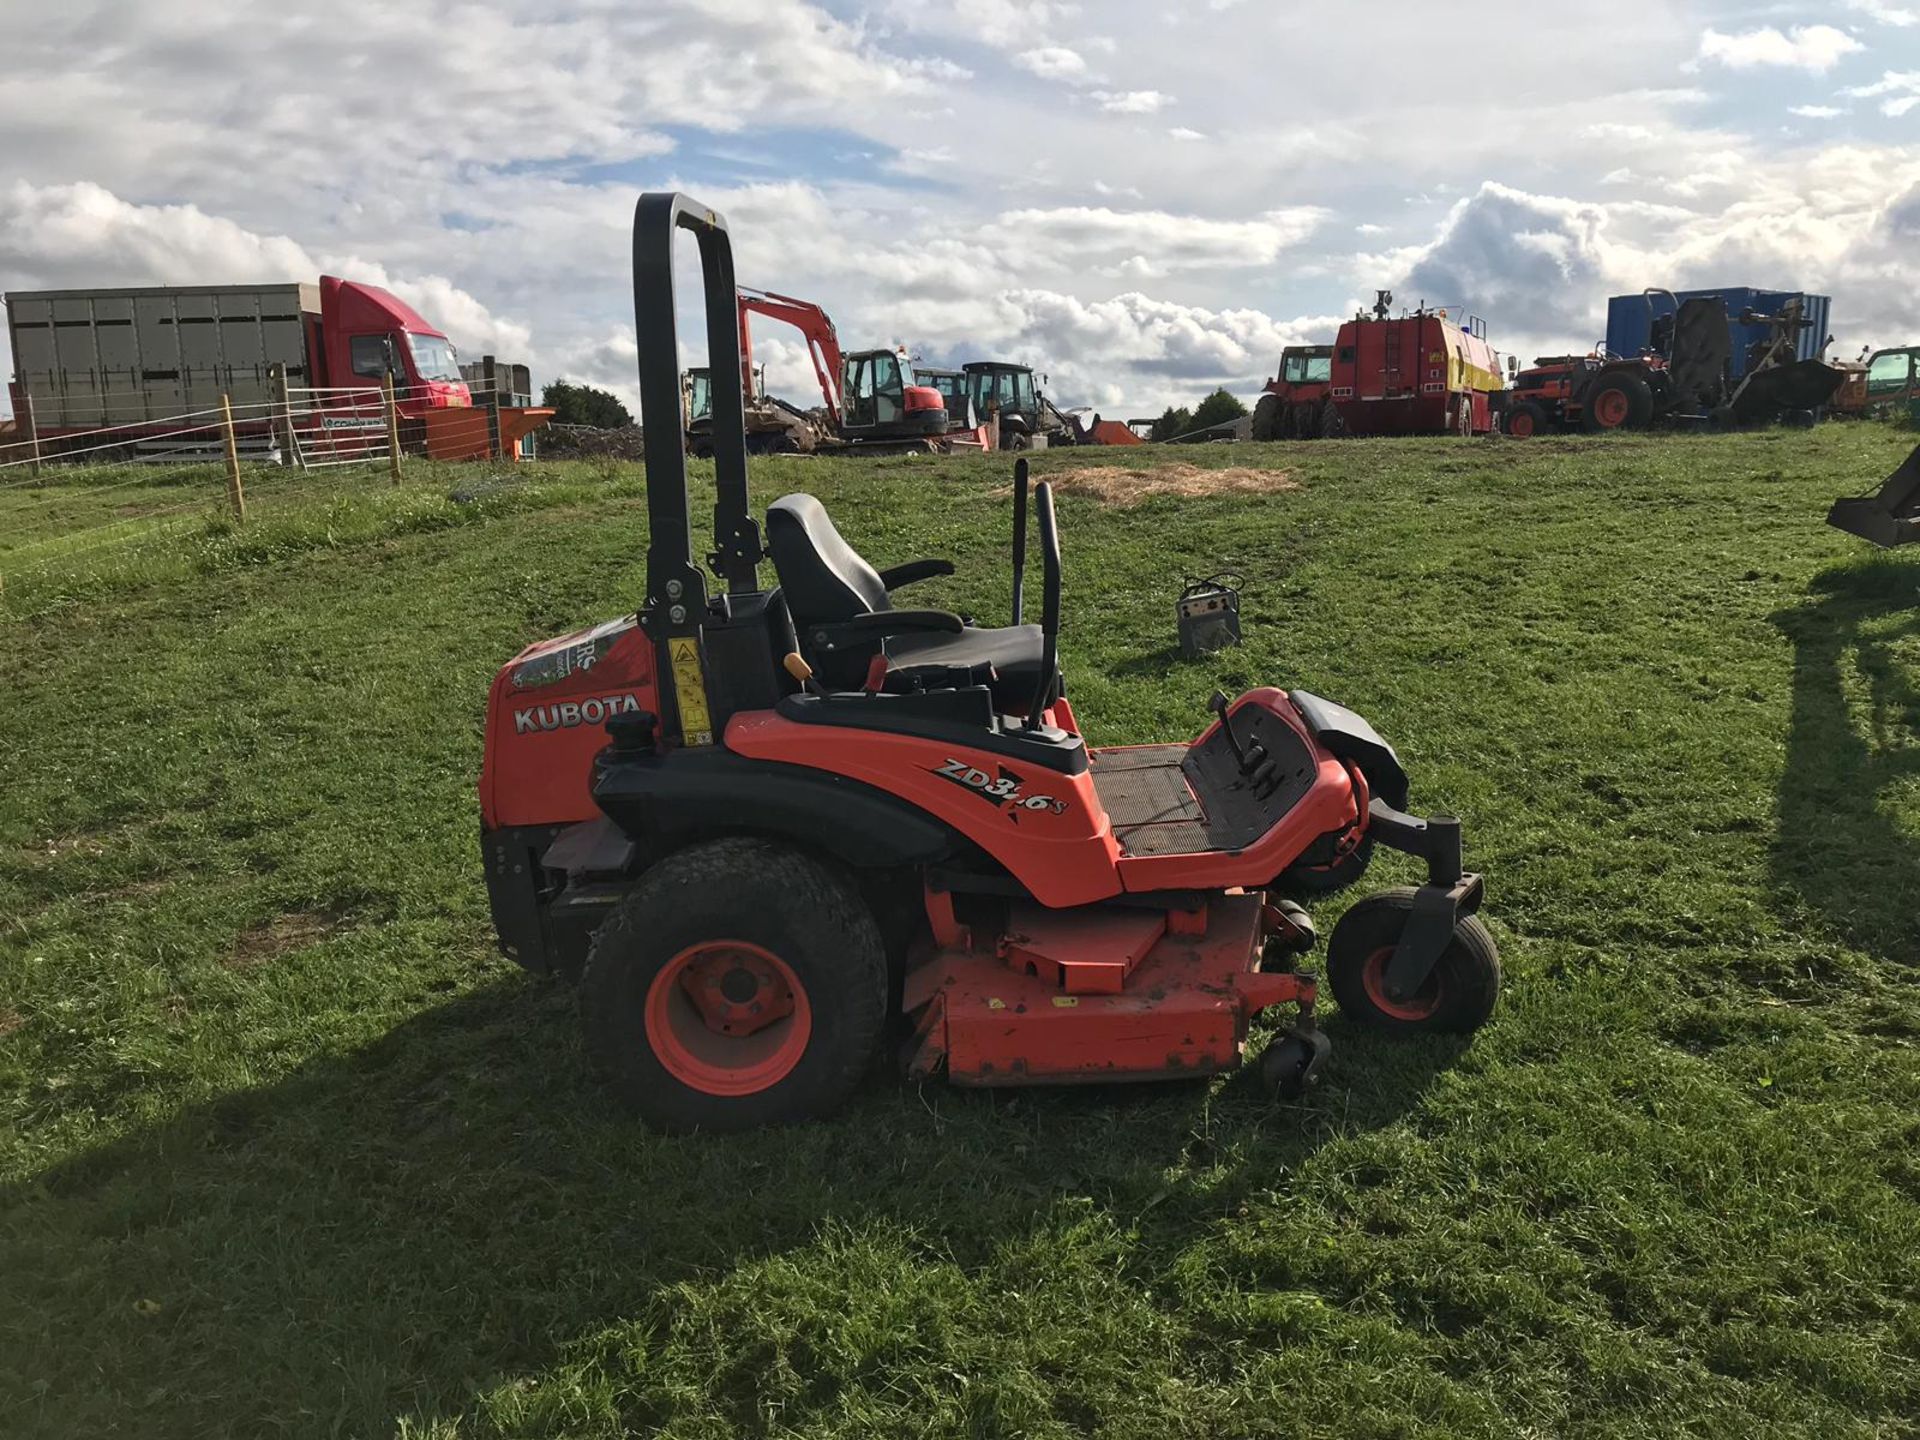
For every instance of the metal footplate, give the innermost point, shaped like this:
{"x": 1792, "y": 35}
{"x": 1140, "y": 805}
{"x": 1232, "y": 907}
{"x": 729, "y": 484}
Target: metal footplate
{"x": 1438, "y": 905}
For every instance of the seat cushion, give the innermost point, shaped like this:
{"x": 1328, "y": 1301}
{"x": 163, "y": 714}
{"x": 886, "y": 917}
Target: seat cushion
{"x": 1014, "y": 652}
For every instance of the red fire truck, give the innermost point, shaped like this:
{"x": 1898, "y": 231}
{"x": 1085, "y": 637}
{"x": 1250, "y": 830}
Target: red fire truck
{"x": 1422, "y": 373}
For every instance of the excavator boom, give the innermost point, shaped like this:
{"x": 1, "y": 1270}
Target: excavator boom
{"x": 823, "y": 344}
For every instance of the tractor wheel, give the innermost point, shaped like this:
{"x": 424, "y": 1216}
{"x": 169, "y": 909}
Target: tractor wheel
{"x": 740, "y": 983}
{"x": 1620, "y": 401}
{"x": 1269, "y": 418}
{"x": 1331, "y": 427}
{"x": 1322, "y": 869}
{"x": 1458, "y": 995}
{"x": 1525, "y": 420}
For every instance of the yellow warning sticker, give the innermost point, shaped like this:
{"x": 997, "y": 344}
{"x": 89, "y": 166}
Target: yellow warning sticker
{"x": 1066, "y": 1002}
{"x": 690, "y": 690}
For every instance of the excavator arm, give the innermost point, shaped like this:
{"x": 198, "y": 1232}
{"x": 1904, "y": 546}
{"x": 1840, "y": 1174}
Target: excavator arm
{"x": 823, "y": 344}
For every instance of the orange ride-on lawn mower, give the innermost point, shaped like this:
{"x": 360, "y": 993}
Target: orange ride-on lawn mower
{"x": 765, "y": 825}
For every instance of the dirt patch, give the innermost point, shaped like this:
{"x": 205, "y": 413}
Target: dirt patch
{"x": 281, "y": 936}
{"x": 10, "y": 1021}
{"x": 1113, "y": 485}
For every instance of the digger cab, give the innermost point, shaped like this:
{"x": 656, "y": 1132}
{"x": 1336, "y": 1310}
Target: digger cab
{"x": 1893, "y": 383}
{"x": 882, "y": 399}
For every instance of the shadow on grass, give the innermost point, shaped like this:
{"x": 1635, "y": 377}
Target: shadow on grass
{"x": 396, "y": 1231}
{"x": 1856, "y": 719}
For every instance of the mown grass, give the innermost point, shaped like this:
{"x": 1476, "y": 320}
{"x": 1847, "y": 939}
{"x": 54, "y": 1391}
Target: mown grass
{"x": 287, "y": 1149}
{"x": 77, "y": 533}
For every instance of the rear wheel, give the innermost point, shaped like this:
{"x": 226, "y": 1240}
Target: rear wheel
{"x": 1332, "y": 427}
{"x": 1463, "y": 418}
{"x": 1618, "y": 402}
{"x": 1525, "y": 420}
{"x": 1457, "y": 996}
{"x": 739, "y": 984}
{"x": 1269, "y": 417}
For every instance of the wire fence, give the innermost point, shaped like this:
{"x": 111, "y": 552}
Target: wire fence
{"x": 73, "y": 495}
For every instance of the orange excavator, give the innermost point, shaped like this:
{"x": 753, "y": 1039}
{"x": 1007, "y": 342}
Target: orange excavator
{"x": 872, "y": 397}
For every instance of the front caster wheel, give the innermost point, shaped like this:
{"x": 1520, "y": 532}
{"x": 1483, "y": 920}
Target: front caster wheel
{"x": 1458, "y": 995}
{"x": 1291, "y": 1065}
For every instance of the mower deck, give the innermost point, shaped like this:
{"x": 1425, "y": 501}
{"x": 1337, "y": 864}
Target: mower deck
{"x": 1096, "y": 994}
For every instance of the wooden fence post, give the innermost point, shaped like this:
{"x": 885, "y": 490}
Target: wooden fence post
{"x": 283, "y": 416}
{"x": 393, "y": 427}
{"x": 33, "y": 431}
{"x": 234, "y": 491}
{"x": 493, "y": 407}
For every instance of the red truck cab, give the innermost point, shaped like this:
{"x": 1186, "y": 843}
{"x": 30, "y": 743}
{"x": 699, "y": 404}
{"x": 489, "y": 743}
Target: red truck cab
{"x": 362, "y": 332}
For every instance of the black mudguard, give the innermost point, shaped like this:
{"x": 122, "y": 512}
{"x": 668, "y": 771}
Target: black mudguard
{"x": 1343, "y": 733}
{"x": 664, "y": 801}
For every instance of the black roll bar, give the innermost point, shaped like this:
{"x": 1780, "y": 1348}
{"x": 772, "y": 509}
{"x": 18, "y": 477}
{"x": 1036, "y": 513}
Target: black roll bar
{"x": 1019, "y": 538}
{"x": 736, "y": 534}
{"x": 1050, "y": 605}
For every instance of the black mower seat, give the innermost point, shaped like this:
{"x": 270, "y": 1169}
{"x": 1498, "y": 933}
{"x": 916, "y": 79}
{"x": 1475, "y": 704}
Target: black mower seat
{"x": 828, "y": 587}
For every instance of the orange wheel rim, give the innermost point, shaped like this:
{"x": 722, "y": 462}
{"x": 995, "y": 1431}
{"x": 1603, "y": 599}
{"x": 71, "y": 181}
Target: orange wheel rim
{"x": 727, "y": 1017}
{"x": 1522, "y": 425}
{"x": 1610, "y": 408}
{"x": 1418, "y": 1006}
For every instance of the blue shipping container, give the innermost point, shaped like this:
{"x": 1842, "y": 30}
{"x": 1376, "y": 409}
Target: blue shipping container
{"x": 1630, "y": 320}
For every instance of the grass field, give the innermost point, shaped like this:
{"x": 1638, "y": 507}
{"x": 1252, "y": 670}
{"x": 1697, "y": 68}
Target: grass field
{"x": 286, "y": 1149}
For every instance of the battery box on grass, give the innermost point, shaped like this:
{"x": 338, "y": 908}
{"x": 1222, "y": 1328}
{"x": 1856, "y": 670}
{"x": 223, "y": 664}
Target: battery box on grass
{"x": 1208, "y": 615}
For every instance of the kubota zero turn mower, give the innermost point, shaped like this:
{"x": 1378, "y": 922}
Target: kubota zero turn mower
{"x": 765, "y": 825}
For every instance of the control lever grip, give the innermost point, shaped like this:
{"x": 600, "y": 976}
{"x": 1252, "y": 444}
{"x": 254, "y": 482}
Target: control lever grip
{"x": 1247, "y": 757}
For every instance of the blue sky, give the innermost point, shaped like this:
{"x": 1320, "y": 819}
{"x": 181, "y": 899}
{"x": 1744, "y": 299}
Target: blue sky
{"x": 1144, "y": 200}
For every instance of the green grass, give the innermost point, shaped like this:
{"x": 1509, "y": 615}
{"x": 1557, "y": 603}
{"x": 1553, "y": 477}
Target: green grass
{"x": 286, "y": 1149}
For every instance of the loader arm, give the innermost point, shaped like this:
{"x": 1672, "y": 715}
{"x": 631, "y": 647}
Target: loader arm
{"x": 823, "y": 344}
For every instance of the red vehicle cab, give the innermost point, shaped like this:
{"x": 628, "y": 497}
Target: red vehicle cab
{"x": 363, "y": 332}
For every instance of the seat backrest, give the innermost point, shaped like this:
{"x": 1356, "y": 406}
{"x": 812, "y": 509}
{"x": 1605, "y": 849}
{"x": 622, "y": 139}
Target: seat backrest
{"x": 823, "y": 577}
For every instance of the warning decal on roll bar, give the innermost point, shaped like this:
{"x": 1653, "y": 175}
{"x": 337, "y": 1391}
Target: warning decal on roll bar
{"x": 690, "y": 690}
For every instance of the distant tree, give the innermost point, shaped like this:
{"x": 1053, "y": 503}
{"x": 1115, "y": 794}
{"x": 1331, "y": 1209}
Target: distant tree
{"x": 1172, "y": 422}
{"x": 584, "y": 405}
{"x": 1216, "y": 409}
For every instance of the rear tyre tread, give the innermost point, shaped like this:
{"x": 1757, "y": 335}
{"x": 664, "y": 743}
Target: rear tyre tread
{"x": 754, "y": 890}
{"x": 1639, "y": 402}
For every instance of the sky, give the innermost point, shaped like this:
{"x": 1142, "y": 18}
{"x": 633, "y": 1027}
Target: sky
{"x": 1145, "y": 200}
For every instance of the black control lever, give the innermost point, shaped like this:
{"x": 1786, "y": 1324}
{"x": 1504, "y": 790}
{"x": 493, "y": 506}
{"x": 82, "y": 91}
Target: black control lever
{"x": 1248, "y": 757}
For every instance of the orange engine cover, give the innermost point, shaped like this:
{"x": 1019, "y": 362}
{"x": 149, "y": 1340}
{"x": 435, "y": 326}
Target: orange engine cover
{"x": 546, "y": 720}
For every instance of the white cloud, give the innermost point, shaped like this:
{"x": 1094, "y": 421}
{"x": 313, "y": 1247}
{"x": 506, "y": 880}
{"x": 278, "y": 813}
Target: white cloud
{"x": 1885, "y": 13}
{"x": 1153, "y": 242}
{"x": 1897, "y": 90}
{"x": 60, "y": 236}
{"x": 1131, "y": 102}
{"x": 1805, "y": 47}
{"x": 1052, "y": 62}
{"x": 1841, "y": 221}
{"x": 1815, "y": 112}
{"x": 493, "y": 164}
